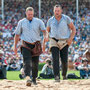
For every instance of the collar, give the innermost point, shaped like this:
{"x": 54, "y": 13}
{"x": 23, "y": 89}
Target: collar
{"x": 60, "y": 19}
{"x": 30, "y": 20}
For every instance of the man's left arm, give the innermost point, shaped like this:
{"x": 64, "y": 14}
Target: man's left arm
{"x": 43, "y": 44}
{"x": 43, "y": 29}
{"x": 72, "y": 28}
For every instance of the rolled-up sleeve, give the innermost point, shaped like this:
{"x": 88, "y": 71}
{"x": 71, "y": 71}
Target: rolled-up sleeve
{"x": 18, "y": 29}
{"x": 42, "y": 25}
{"x": 69, "y": 20}
{"x": 48, "y": 23}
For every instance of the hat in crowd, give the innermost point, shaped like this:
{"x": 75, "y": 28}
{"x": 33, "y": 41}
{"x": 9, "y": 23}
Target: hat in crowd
{"x": 1, "y": 52}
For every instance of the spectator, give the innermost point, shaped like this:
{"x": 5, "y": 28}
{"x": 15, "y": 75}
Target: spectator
{"x": 13, "y": 67}
{"x": 3, "y": 65}
{"x": 84, "y": 69}
{"x": 76, "y": 64}
{"x": 47, "y": 70}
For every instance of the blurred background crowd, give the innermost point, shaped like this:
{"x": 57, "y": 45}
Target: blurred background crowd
{"x": 15, "y": 10}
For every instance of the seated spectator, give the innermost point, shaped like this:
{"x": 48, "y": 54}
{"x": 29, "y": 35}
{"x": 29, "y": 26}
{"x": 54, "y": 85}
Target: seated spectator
{"x": 3, "y": 65}
{"x": 84, "y": 69}
{"x": 76, "y": 64}
{"x": 13, "y": 67}
{"x": 47, "y": 70}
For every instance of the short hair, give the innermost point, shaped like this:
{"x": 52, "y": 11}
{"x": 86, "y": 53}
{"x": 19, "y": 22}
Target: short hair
{"x": 29, "y": 9}
{"x": 57, "y": 6}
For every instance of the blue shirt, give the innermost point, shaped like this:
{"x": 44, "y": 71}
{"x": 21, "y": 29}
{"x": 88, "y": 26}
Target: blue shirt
{"x": 30, "y": 30}
{"x": 59, "y": 30}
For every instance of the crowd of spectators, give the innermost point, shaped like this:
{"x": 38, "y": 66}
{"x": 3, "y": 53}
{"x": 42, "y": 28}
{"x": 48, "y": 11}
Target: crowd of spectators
{"x": 15, "y": 10}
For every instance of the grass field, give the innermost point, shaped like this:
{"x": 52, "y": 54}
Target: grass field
{"x": 14, "y": 75}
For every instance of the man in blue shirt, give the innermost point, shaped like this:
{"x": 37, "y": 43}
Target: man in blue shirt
{"x": 28, "y": 30}
{"x": 61, "y": 32}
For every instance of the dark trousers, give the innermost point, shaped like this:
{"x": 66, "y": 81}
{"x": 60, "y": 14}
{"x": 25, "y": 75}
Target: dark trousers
{"x": 30, "y": 63}
{"x": 3, "y": 73}
{"x": 56, "y": 53}
{"x": 84, "y": 73}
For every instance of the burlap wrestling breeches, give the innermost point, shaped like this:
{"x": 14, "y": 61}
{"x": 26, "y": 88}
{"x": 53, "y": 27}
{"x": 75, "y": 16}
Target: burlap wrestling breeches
{"x": 60, "y": 43}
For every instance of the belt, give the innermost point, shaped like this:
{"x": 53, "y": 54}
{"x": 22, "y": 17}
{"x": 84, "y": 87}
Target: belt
{"x": 58, "y": 39}
{"x": 55, "y": 39}
{"x": 29, "y": 43}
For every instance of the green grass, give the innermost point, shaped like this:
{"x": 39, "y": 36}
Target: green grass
{"x": 14, "y": 75}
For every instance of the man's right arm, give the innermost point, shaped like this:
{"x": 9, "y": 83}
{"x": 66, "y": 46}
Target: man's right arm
{"x": 47, "y": 34}
{"x": 48, "y": 30}
{"x": 17, "y": 32}
{"x": 16, "y": 39}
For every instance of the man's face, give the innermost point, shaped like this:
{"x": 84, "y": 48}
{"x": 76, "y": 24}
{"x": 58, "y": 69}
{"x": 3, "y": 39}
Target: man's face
{"x": 57, "y": 11}
{"x": 29, "y": 14}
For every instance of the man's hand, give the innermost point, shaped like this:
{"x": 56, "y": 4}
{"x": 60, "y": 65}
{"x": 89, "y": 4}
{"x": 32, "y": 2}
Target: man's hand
{"x": 46, "y": 38}
{"x": 47, "y": 34}
{"x": 69, "y": 41}
{"x": 72, "y": 27}
{"x": 43, "y": 46}
{"x": 16, "y": 39}
{"x": 15, "y": 50}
